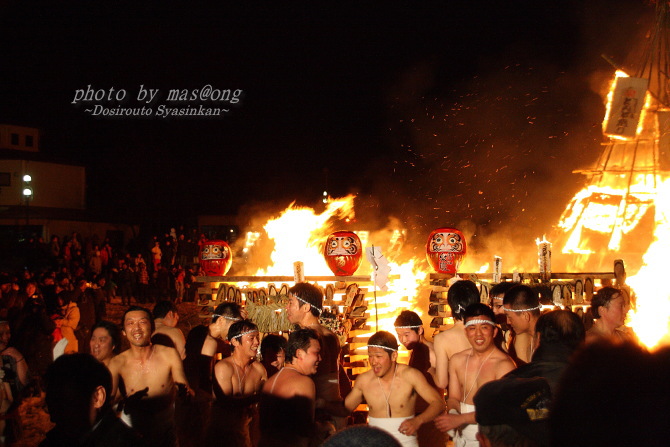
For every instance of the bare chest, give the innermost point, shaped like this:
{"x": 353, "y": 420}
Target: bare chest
{"x": 474, "y": 376}
{"x": 396, "y": 399}
{"x": 149, "y": 373}
{"x": 245, "y": 381}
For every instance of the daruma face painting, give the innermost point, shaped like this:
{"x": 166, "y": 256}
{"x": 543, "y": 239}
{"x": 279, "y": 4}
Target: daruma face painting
{"x": 445, "y": 250}
{"x": 343, "y": 253}
{"x": 215, "y": 258}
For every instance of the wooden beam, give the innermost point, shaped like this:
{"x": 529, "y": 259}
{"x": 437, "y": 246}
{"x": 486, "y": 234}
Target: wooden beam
{"x": 288, "y": 279}
{"x": 526, "y": 275}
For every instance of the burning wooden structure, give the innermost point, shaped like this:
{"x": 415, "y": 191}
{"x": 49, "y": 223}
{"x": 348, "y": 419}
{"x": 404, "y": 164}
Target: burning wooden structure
{"x": 561, "y": 289}
{"x": 349, "y": 306}
{"x": 624, "y": 183}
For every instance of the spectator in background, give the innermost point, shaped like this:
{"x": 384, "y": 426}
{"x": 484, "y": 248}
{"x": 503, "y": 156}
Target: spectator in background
{"x": 68, "y": 321}
{"x": 83, "y": 296}
{"x": 522, "y": 307}
{"x": 100, "y": 298}
{"x": 513, "y": 412}
{"x": 557, "y": 335}
{"x": 178, "y": 274}
{"x": 13, "y": 361}
{"x": 497, "y": 294}
{"x": 79, "y": 399}
{"x": 166, "y": 318}
{"x": 125, "y": 284}
{"x": 15, "y": 378}
{"x": 33, "y": 338}
{"x": 156, "y": 255}
{"x": 613, "y": 394}
{"x": 609, "y": 308}
{"x": 95, "y": 262}
{"x": 54, "y": 252}
{"x": 105, "y": 341}
{"x": 106, "y": 255}
{"x": 10, "y": 305}
{"x": 273, "y": 353}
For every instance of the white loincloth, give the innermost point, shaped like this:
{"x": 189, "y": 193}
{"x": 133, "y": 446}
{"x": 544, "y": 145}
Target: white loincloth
{"x": 391, "y": 425}
{"x": 466, "y": 436}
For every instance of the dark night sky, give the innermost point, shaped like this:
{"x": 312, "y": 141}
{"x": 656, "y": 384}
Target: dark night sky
{"x": 438, "y": 112}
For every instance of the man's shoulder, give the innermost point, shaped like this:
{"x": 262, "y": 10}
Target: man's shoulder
{"x": 119, "y": 360}
{"x": 461, "y": 355}
{"x": 409, "y": 372}
{"x": 503, "y": 361}
{"x": 224, "y": 365}
{"x": 169, "y": 330}
{"x": 326, "y": 334}
{"x": 364, "y": 378}
{"x": 455, "y": 331}
{"x": 258, "y": 366}
{"x": 164, "y": 351}
{"x": 297, "y": 384}
{"x": 11, "y": 351}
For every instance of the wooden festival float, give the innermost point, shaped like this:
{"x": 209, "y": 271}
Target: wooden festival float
{"x": 446, "y": 248}
{"x": 353, "y": 306}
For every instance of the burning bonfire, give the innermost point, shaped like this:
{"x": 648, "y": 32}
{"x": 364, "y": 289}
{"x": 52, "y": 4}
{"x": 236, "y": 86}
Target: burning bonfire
{"x": 624, "y": 210}
{"x": 622, "y": 213}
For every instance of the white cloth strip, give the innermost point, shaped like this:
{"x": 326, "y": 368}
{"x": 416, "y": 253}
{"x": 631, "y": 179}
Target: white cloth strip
{"x": 244, "y": 333}
{"x": 383, "y": 347}
{"x": 478, "y": 321}
{"x": 310, "y": 304}
{"x": 226, "y": 317}
{"x": 523, "y": 310}
{"x": 409, "y": 327}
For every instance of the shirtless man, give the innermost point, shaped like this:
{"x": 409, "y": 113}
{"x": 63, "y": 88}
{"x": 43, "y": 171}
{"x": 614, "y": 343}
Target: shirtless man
{"x": 497, "y": 294}
{"x": 238, "y": 380}
{"x": 461, "y": 294}
{"x": 149, "y": 374}
{"x": 609, "y": 309}
{"x": 304, "y": 308}
{"x": 287, "y": 405}
{"x": 166, "y": 318}
{"x": 522, "y": 307}
{"x": 390, "y": 390}
{"x": 409, "y": 328}
{"x": 223, "y": 317}
{"x": 469, "y": 370}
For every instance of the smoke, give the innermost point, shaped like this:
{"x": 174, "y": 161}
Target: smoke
{"x": 494, "y": 153}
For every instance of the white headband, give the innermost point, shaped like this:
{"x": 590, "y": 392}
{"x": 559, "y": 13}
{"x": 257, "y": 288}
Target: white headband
{"x": 244, "y": 333}
{"x": 383, "y": 347}
{"x": 311, "y": 305}
{"x": 523, "y": 310}
{"x": 226, "y": 317}
{"x": 409, "y": 327}
{"x": 478, "y": 321}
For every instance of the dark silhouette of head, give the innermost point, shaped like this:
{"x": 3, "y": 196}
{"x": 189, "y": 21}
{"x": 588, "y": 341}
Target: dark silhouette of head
{"x": 460, "y": 295}
{"x": 560, "y": 327}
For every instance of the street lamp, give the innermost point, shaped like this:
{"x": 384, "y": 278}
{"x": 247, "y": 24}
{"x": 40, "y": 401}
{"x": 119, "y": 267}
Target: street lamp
{"x": 27, "y": 195}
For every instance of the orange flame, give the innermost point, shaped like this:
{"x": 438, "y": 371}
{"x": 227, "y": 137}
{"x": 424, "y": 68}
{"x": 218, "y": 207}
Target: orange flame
{"x": 299, "y": 234}
{"x": 613, "y": 206}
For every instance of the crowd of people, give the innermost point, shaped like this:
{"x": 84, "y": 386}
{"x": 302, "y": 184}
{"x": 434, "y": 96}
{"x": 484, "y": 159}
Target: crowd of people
{"x": 505, "y": 374}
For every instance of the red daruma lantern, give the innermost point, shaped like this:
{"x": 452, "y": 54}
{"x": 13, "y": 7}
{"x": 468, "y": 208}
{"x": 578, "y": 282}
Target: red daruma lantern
{"x": 343, "y": 253}
{"x": 445, "y": 249}
{"x": 215, "y": 258}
